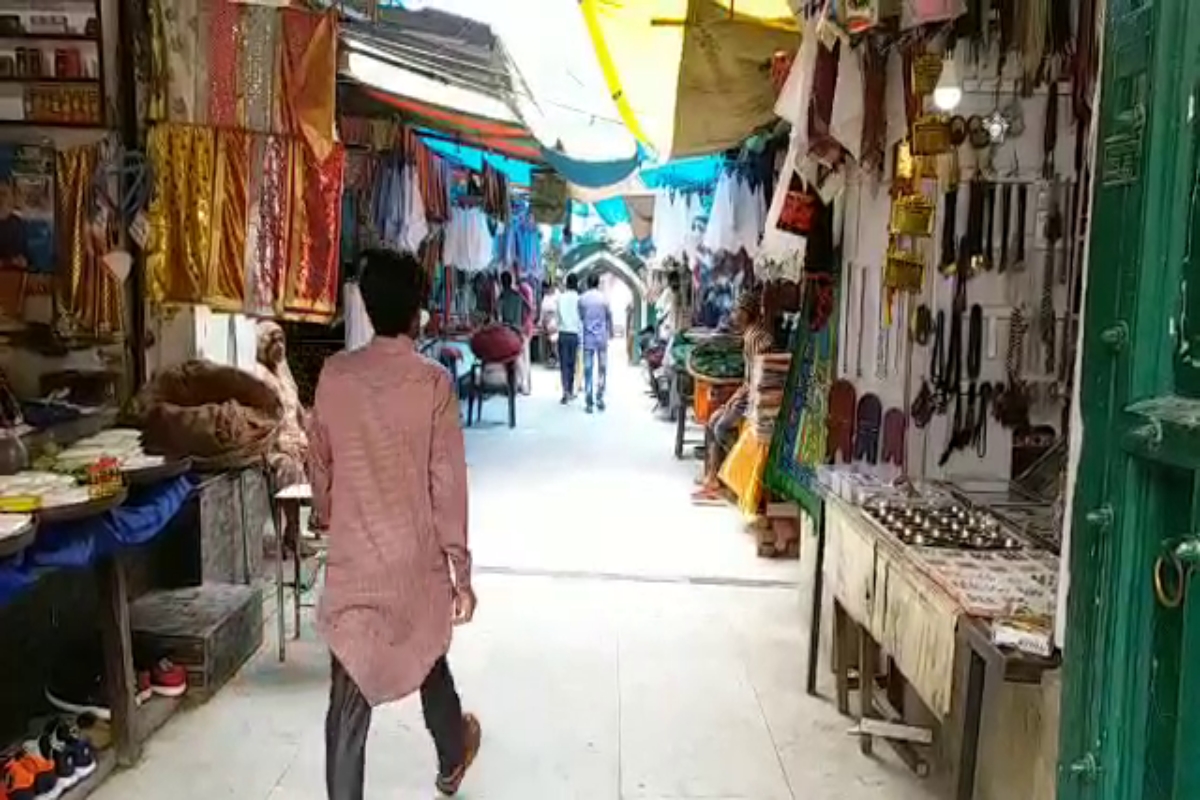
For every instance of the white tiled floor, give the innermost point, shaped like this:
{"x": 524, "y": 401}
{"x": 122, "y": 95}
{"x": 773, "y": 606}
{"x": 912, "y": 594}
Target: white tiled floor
{"x": 598, "y": 670}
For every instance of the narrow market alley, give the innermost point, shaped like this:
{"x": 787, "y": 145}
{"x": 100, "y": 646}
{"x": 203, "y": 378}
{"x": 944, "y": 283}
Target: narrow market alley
{"x": 627, "y": 645}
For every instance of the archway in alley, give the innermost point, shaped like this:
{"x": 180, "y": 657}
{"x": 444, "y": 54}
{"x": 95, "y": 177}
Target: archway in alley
{"x": 600, "y": 257}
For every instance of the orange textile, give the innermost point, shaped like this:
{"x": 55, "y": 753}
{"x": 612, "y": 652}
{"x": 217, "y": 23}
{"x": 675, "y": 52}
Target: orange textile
{"x": 743, "y": 471}
{"x": 225, "y": 286}
{"x": 308, "y": 75}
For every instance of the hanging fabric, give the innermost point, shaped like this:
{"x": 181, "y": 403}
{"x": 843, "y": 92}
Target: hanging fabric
{"x": 847, "y": 117}
{"x": 266, "y": 238}
{"x": 311, "y": 284}
{"x": 359, "y": 331}
{"x": 90, "y": 296}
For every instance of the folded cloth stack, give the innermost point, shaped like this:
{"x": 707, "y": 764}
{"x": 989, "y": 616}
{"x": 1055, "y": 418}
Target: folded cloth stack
{"x": 768, "y": 376}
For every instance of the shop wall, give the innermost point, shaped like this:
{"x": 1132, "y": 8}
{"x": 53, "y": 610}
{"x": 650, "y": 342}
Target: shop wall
{"x": 866, "y": 241}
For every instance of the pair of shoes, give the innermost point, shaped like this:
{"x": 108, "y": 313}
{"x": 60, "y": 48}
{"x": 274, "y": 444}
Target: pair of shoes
{"x": 566, "y": 399}
{"x": 600, "y": 404}
{"x": 61, "y": 745}
{"x": 448, "y": 784}
{"x": 28, "y": 776}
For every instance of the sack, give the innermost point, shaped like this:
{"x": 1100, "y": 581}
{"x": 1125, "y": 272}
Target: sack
{"x": 497, "y": 344}
{"x": 548, "y": 198}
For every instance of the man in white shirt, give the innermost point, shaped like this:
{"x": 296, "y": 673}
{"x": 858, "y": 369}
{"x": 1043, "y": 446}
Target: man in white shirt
{"x": 569, "y": 328}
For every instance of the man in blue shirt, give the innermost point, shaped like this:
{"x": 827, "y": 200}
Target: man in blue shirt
{"x": 596, "y": 318}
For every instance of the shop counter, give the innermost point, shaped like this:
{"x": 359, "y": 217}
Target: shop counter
{"x": 908, "y": 604}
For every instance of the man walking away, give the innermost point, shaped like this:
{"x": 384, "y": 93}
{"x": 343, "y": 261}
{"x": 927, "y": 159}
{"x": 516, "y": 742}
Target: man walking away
{"x": 596, "y": 318}
{"x": 569, "y": 328}
{"x": 389, "y": 477}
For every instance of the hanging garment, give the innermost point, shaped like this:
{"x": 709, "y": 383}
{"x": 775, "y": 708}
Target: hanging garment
{"x": 720, "y": 236}
{"x": 225, "y": 283}
{"x": 180, "y": 231}
{"x": 90, "y": 296}
{"x": 311, "y": 284}
{"x": 414, "y": 228}
{"x": 846, "y": 121}
{"x": 750, "y": 216}
{"x": 266, "y": 235}
{"x": 359, "y": 331}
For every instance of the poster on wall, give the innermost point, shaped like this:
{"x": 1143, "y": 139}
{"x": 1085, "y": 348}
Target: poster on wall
{"x": 27, "y": 208}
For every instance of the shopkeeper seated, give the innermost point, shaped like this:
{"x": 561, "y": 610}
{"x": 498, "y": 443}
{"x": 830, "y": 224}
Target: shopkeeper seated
{"x": 721, "y": 431}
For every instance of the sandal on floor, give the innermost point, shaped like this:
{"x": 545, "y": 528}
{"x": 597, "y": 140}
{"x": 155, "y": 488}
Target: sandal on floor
{"x": 708, "y": 497}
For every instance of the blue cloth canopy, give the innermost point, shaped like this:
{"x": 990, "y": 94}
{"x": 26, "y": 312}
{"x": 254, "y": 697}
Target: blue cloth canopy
{"x": 686, "y": 173}
{"x": 518, "y": 172}
{"x": 591, "y": 174}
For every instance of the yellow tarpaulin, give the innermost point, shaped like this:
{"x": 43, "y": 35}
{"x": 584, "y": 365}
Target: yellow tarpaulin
{"x": 690, "y": 77}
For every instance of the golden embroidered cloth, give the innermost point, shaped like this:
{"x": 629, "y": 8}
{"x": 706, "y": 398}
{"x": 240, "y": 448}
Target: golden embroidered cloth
{"x": 89, "y": 295}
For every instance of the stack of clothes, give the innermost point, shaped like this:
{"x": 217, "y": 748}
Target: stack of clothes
{"x": 768, "y": 376}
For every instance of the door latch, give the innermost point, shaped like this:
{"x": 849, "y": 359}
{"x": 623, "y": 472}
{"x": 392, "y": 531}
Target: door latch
{"x": 1086, "y": 769}
{"x": 1172, "y": 568}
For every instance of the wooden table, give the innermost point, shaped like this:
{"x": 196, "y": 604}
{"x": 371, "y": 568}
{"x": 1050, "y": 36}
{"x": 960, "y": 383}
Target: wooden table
{"x": 899, "y": 613}
{"x": 293, "y": 498}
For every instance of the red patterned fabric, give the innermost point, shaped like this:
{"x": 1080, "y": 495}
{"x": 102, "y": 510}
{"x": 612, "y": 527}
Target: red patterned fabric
{"x": 312, "y": 279}
{"x": 267, "y": 243}
{"x": 224, "y": 106}
{"x": 389, "y": 473}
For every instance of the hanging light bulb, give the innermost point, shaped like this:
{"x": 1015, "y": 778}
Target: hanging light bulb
{"x": 949, "y": 92}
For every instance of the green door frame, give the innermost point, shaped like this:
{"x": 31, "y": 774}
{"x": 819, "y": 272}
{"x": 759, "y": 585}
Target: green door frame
{"x": 1128, "y": 680}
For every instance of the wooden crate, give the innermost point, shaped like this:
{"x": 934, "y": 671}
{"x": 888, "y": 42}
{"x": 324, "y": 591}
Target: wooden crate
{"x": 211, "y": 630}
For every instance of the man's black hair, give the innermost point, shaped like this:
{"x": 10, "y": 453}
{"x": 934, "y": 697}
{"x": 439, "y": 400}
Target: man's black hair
{"x": 674, "y": 280}
{"x": 594, "y": 280}
{"x": 393, "y": 289}
{"x": 506, "y": 280}
{"x": 573, "y": 283}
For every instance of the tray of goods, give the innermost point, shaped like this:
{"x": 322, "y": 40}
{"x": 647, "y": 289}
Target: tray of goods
{"x": 717, "y": 363}
{"x": 17, "y": 531}
{"x": 124, "y": 445}
{"x": 951, "y": 525}
{"x": 55, "y": 497}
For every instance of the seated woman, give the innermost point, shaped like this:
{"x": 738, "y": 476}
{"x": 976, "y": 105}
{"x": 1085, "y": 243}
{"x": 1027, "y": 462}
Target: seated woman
{"x": 289, "y": 454}
{"x": 721, "y": 431}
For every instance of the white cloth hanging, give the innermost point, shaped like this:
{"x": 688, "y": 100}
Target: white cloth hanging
{"x": 846, "y": 121}
{"x": 415, "y": 227}
{"x": 721, "y": 234}
{"x": 469, "y": 245}
{"x": 750, "y": 209}
{"x": 359, "y": 331}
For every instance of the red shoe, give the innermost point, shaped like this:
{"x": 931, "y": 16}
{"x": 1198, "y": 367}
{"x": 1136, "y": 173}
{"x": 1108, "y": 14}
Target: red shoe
{"x": 145, "y": 690}
{"x": 168, "y": 679}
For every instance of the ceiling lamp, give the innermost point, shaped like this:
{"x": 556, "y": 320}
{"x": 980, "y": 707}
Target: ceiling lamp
{"x": 949, "y": 91}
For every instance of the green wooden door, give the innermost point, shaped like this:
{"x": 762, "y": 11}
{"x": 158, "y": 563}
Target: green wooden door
{"x": 1131, "y": 701}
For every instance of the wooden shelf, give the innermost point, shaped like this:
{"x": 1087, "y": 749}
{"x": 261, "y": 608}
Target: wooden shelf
{"x": 47, "y": 79}
{"x": 50, "y": 37}
{"x": 26, "y": 123}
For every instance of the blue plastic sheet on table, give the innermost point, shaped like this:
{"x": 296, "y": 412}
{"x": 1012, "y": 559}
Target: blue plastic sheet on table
{"x": 78, "y": 544}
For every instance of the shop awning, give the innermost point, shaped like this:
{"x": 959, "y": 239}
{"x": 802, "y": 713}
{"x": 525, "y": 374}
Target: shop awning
{"x": 690, "y": 77}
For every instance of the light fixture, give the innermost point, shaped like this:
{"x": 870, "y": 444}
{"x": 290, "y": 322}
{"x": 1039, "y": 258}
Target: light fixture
{"x": 949, "y": 92}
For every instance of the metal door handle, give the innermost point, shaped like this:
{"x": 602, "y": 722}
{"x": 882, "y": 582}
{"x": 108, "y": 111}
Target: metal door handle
{"x": 1177, "y": 561}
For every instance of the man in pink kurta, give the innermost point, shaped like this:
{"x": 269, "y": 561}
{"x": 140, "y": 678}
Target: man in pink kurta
{"x": 389, "y": 475}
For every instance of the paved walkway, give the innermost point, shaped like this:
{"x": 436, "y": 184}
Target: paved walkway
{"x": 628, "y": 647}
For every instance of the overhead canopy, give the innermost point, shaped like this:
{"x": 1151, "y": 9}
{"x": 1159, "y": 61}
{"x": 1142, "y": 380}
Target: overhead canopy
{"x": 690, "y": 77}
{"x": 435, "y": 71}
